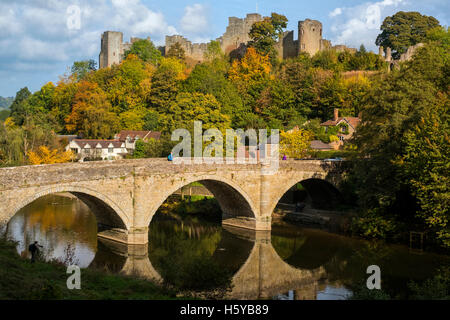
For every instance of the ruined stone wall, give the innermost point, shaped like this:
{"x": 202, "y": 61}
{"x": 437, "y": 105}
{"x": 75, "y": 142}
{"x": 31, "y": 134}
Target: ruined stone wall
{"x": 194, "y": 51}
{"x": 234, "y": 42}
{"x": 287, "y": 47}
{"x": 237, "y": 32}
{"x": 408, "y": 55}
{"x": 395, "y": 64}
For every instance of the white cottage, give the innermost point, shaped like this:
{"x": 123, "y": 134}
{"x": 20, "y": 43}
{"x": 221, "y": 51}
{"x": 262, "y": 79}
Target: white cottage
{"x": 97, "y": 149}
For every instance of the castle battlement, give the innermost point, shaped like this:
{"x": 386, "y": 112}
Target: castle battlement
{"x": 234, "y": 41}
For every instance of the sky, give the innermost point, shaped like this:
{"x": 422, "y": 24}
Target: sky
{"x": 40, "y": 39}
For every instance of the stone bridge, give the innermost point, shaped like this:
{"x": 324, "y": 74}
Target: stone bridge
{"x": 125, "y": 195}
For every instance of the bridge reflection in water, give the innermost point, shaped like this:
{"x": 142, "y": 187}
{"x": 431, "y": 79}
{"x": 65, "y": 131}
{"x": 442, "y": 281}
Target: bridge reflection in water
{"x": 264, "y": 275}
{"x": 296, "y": 262}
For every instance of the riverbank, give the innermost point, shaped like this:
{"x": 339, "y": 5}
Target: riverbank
{"x": 22, "y": 280}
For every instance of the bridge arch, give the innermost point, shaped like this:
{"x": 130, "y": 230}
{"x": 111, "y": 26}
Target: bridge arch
{"x": 106, "y": 211}
{"x": 233, "y": 200}
{"x": 317, "y": 185}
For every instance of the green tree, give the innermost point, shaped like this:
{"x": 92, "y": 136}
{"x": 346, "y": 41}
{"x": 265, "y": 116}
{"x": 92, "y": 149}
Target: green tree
{"x": 19, "y": 107}
{"x": 405, "y": 29}
{"x": 145, "y": 50}
{"x": 165, "y": 88}
{"x": 403, "y": 144}
{"x": 81, "y": 68}
{"x": 207, "y": 78}
{"x": 176, "y": 51}
{"x": 4, "y": 114}
{"x": 213, "y": 51}
{"x": 266, "y": 33}
{"x": 194, "y": 106}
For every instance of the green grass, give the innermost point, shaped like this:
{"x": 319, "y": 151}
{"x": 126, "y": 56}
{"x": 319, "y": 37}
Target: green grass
{"x": 22, "y": 280}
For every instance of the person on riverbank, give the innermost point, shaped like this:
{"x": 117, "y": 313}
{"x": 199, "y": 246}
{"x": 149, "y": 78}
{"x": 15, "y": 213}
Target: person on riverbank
{"x": 170, "y": 157}
{"x": 34, "y": 249}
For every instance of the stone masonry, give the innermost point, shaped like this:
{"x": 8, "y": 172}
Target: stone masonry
{"x": 124, "y": 195}
{"x": 233, "y": 41}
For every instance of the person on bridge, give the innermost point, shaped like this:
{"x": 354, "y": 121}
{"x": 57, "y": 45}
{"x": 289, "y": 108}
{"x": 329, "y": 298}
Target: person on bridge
{"x": 170, "y": 157}
{"x": 34, "y": 249}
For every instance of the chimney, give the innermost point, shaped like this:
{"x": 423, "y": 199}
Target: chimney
{"x": 336, "y": 114}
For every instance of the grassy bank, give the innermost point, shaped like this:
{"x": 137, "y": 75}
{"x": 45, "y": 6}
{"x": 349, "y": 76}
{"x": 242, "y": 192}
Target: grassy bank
{"x": 21, "y": 280}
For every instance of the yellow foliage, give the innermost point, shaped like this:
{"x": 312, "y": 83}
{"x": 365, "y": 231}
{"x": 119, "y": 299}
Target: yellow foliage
{"x": 296, "y": 143}
{"x": 9, "y": 122}
{"x": 46, "y": 156}
{"x": 253, "y": 66}
{"x": 334, "y": 138}
{"x": 175, "y": 65}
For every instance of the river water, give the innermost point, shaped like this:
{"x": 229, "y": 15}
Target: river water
{"x": 291, "y": 262}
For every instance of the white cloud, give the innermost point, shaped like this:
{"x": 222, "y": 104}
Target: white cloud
{"x": 195, "y": 19}
{"x": 34, "y": 33}
{"x": 360, "y": 24}
{"x": 336, "y": 12}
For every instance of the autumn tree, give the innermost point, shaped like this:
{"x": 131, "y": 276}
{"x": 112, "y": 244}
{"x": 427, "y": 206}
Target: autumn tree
{"x": 130, "y": 84}
{"x": 43, "y": 155}
{"x": 295, "y": 143}
{"x": 405, "y": 29}
{"x": 189, "y": 107}
{"x": 253, "y": 67}
{"x": 91, "y": 116}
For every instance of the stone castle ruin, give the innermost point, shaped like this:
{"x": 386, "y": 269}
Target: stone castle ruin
{"x": 408, "y": 55}
{"x": 233, "y": 41}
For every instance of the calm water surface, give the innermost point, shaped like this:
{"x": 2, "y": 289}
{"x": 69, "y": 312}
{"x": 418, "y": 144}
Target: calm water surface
{"x": 288, "y": 263}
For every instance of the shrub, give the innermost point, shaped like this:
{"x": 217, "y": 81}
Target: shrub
{"x": 373, "y": 226}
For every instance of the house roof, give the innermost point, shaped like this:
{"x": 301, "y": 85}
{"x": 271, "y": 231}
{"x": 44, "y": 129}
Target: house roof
{"x": 352, "y": 121}
{"x": 319, "y": 145}
{"x": 134, "y": 135}
{"x": 93, "y": 144}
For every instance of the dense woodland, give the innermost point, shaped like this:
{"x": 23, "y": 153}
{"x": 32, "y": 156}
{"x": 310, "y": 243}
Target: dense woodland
{"x": 400, "y": 154}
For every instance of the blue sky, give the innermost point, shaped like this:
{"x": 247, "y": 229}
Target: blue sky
{"x": 39, "y": 39}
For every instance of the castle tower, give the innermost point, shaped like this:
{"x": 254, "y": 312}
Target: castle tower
{"x": 111, "y": 49}
{"x": 310, "y": 36}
